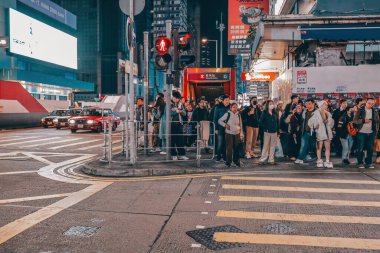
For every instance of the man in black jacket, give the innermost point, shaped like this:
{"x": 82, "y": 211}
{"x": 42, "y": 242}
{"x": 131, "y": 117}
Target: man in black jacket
{"x": 342, "y": 144}
{"x": 367, "y": 121}
{"x": 251, "y": 116}
{"x": 220, "y": 110}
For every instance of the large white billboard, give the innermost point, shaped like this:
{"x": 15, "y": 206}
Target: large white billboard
{"x": 32, "y": 38}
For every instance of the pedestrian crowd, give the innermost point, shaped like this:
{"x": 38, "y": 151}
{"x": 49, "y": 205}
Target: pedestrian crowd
{"x": 302, "y": 131}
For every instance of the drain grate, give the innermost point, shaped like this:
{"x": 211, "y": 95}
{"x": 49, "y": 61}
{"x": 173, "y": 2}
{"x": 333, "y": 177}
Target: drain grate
{"x": 279, "y": 228}
{"x": 206, "y": 237}
{"x": 81, "y": 231}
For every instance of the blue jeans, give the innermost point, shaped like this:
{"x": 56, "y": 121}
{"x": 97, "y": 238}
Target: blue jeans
{"x": 305, "y": 144}
{"x": 365, "y": 142}
{"x": 346, "y": 147}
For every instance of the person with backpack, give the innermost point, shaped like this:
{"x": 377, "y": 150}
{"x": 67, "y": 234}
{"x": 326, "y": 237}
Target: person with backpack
{"x": 342, "y": 118}
{"x": 220, "y": 110}
{"x": 270, "y": 127}
{"x": 367, "y": 121}
{"x": 233, "y": 125}
{"x": 251, "y": 116}
{"x": 322, "y": 123}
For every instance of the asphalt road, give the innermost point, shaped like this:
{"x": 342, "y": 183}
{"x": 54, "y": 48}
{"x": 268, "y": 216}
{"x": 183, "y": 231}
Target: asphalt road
{"x": 47, "y": 205}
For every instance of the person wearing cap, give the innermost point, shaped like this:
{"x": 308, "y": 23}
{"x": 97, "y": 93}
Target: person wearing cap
{"x": 220, "y": 110}
{"x": 178, "y": 112}
{"x": 322, "y": 123}
{"x": 251, "y": 116}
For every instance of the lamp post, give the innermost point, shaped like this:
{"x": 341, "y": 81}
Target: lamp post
{"x": 205, "y": 41}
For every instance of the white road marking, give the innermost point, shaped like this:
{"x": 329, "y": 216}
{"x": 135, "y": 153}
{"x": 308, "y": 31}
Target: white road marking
{"x": 73, "y": 144}
{"x": 7, "y": 201}
{"x": 195, "y": 245}
{"x": 19, "y": 138}
{"x": 204, "y": 213}
{"x": 98, "y": 145}
{"x": 41, "y": 144}
{"x": 38, "y": 158}
{"x": 208, "y": 202}
{"x": 20, "y": 225}
{"x": 22, "y": 142}
{"x": 214, "y": 179}
{"x": 210, "y": 193}
{"x": 18, "y": 172}
{"x": 199, "y": 227}
{"x": 212, "y": 185}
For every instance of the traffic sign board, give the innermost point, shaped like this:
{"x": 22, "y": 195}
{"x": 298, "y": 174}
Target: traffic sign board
{"x": 138, "y": 6}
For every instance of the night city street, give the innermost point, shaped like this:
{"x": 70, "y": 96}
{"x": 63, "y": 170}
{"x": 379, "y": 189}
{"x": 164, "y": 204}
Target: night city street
{"x": 186, "y": 126}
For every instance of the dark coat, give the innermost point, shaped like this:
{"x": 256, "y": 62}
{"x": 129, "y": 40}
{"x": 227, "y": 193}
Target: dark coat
{"x": 359, "y": 119}
{"x": 251, "y": 120}
{"x": 269, "y": 123}
{"x": 220, "y": 110}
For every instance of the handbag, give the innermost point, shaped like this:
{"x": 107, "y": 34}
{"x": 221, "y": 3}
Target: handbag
{"x": 377, "y": 145}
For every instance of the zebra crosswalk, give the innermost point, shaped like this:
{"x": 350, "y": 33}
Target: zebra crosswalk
{"x": 56, "y": 143}
{"x": 323, "y": 204}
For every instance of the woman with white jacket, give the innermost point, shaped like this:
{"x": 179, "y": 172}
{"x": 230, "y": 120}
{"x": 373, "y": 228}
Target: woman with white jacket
{"x": 322, "y": 123}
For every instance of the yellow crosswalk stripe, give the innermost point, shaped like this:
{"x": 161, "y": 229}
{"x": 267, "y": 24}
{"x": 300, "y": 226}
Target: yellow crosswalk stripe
{"x": 299, "y": 217}
{"x": 298, "y": 240}
{"x": 306, "y": 180}
{"x": 331, "y": 202}
{"x": 300, "y": 189}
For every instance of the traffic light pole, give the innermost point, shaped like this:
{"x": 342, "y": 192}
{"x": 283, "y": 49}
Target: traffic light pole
{"x": 146, "y": 83}
{"x": 168, "y": 89}
{"x": 132, "y": 143}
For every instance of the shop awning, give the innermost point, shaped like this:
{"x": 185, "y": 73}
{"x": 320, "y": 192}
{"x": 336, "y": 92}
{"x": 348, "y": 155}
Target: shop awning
{"x": 352, "y": 32}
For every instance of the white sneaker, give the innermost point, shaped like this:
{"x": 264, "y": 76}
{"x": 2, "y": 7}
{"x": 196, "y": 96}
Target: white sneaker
{"x": 183, "y": 158}
{"x": 320, "y": 164}
{"x": 162, "y": 153}
{"x": 329, "y": 165}
{"x": 298, "y": 161}
{"x": 174, "y": 158}
{"x": 158, "y": 150}
{"x": 248, "y": 156}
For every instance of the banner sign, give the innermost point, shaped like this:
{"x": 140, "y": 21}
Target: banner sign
{"x": 193, "y": 77}
{"x": 243, "y": 16}
{"x": 258, "y": 76}
{"x": 53, "y": 10}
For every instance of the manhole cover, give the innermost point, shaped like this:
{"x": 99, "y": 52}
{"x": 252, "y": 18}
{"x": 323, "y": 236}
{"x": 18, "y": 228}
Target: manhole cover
{"x": 81, "y": 231}
{"x": 205, "y": 237}
{"x": 279, "y": 228}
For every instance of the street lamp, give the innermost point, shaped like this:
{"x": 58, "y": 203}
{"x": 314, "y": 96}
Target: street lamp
{"x": 205, "y": 41}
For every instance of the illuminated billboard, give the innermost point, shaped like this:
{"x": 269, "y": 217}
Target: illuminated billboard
{"x": 32, "y": 38}
{"x": 243, "y": 18}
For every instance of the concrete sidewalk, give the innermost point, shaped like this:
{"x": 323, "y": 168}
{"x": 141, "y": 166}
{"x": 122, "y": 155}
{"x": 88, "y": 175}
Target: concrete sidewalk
{"x": 157, "y": 166}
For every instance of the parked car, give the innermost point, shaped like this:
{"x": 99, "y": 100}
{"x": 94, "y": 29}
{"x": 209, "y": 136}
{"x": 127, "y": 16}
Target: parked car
{"x": 93, "y": 119}
{"x": 48, "y": 120}
{"x": 63, "y": 121}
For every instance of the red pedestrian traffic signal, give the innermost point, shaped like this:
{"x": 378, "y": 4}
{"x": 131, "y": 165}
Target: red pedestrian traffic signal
{"x": 162, "y": 45}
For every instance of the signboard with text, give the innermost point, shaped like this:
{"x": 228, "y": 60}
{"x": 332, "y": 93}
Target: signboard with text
{"x": 243, "y": 15}
{"x": 194, "y": 77}
{"x": 53, "y": 10}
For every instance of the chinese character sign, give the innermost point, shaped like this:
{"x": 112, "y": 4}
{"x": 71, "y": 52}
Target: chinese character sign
{"x": 243, "y": 15}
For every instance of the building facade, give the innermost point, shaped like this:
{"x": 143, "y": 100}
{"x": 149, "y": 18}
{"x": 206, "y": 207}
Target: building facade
{"x": 44, "y": 71}
{"x": 320, "y": 49}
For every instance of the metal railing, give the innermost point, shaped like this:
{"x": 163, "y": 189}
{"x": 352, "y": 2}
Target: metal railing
{"x": 197, "y": 136}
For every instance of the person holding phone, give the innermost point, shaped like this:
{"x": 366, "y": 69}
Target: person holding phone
{"x": 367, "y": 120}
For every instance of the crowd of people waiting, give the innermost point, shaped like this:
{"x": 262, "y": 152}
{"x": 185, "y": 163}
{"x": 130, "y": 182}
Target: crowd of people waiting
{"x": 301, "y": 131}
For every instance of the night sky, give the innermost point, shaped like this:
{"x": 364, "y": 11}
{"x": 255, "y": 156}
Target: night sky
{"x": 210, "y": 12}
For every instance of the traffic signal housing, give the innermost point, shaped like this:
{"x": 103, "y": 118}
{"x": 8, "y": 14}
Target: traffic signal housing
{"x": 163, "y": 57}
{"x": 182, "y": 58}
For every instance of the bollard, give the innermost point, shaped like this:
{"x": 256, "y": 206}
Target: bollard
{"x": 105, "y": 144}
{"x": 123, "y": 137}
{"x": 198, "y": 146}
{"x": 109, "y": 141}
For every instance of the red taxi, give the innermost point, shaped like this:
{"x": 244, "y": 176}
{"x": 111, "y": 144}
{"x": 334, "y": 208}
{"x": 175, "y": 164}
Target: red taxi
{"x": 63, "y": 121}
{"x": 48, "y": 120}
{"x": 93, "y": 119}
